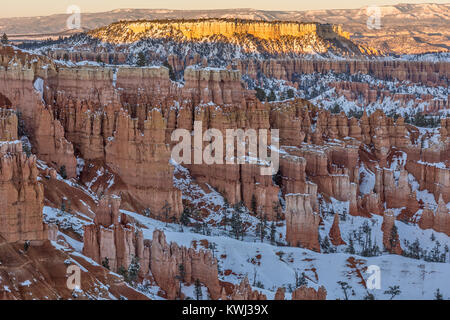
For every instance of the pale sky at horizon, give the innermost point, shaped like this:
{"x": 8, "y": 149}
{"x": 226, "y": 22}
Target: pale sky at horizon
{"x": 27, "y": 8}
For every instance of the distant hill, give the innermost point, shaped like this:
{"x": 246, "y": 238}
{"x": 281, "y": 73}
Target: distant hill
{"x": 405, "y": 28}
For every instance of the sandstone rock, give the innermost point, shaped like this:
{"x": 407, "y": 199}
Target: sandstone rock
{"x": 305, "y": 293}
{"x": 335, "y": 232}
{"x": 21, "y": 195}
{"x": 302, "y": 224}
{"x": 244, "y": 291}
{"x": 391, "y": 240}
{"x": 165, "y": 267}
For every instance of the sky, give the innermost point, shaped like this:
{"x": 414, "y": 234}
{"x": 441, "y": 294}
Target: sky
{"x": 27, "y": 8}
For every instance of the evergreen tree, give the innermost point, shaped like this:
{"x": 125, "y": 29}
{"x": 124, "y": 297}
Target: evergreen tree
{"x": 369, "y": 296}
{"x": 123, "y": 272}
{"x": 166, "y": 209}
{"x": 212, "y": 246}
{"x": 184, "y": 219}
{"x": 272, "y": 233}
{"x": 344, "y": 286}
{"x": 253, "y": 204}
{"x": 271, "y": 96}
{"x": 260, "y": 94}
{"x": 198, "y": 290}
{"x": 171, "y": 73}
{"x": 290, "y": 93}
{"x": 335, "y": 109}
{"x": 393, "y": 291}
{"x": 26, "y": 245}
{"x": 4, "y": 39}
{"x": 438, "y": 295}
{"x": 63, "y": 172}
{"x": 141, "y": 60}
{"x": 300, "y": 280}
{"x": 350, "y": 248}
{"x": 181, "y": 271}
{"x": 394, "y": 237}
{"x": 236, "y": 225}
{"x": 133, "y": 270}
{"x": 105, "y": 263}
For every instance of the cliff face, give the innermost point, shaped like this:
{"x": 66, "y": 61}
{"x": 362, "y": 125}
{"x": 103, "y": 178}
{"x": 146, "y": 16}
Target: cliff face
{"x": 165, "y": 267}
{"x": 21, "y": 195}
{"x": 415, "y": 71}
{"x": 112, "y": 239}
{"x": 21, "y": 85}
{"x": 263, "y": 36}
{"x": 302, "y": 224}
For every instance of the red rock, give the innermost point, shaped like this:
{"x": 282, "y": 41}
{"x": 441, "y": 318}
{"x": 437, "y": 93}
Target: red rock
{"x": 302, "y": 224}
{"x": 390, "y": 242}
{"x": 166, "y": 259}
{"x": 335, "y": 232}
{"x": 244, "y": 291}
{"x": 305, "y": 293}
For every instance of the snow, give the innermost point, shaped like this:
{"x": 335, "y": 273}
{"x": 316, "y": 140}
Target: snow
{"x": 39, "y": 87}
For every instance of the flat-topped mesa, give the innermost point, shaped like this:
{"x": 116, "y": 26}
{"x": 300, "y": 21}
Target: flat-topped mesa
{"x": 248, "y": 36}
{"x": 302, "y": 224}
{"x": 21, "y": 195}
{"x": 121, "y": 32}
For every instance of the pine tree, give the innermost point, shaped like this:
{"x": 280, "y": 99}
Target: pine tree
{"x": 123, "y": 272}
{"x": 166, "y": 209}
{"x": 393, "y": 291}
{"x": 253, "y": 204}
{"x": 350, "y": 249}
{"x": 198, "y": 290}
{"x": 394, "y": 237}
{"x": 344, "y": 286}
{"x": 272, "y": 233}
{"x": 290, "y": 93}
{"x": 141, "y": 60}
{"x": 438, "y": 295}
{"x": 300, "y": 280}
{"x": 133, "y": 270}
{"x": 260, "y": 94}
{"x": 4, "y": 39}
{"x": 63, "y": 172}
{"x": 105, "y": 263}
{"x": 171, "y": 73}
{"x": 184, "y": 219}
{"x": 271, "y": 96}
